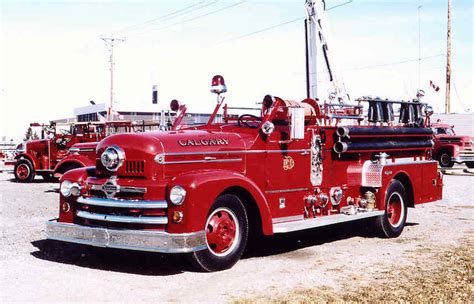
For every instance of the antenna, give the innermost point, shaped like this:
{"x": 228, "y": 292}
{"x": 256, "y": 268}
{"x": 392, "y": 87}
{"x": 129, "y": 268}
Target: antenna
{"x": 110, "y": 42}
{"x": 419, "y": 47}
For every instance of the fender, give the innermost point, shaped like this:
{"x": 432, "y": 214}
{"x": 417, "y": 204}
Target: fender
{"x": 80, "y": 160}
{"x": 29, "y": 157}
{"x": 388, "y": 174}
{"x": 203, "y": 188}
{"x": 451, "y": 148}
{"x": 78, "y": 175}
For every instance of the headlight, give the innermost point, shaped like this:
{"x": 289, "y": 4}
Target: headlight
{"x": 69, "y": 188}
{"x": 177, "y": 195}
{"x": 112, "y": 158}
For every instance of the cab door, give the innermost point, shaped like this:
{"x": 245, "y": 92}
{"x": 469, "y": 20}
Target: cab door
{"x": 287, "y": 173}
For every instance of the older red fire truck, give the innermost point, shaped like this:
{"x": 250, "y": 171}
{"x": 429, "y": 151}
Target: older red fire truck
{"x": 204, "y": 190}
{"x": 48, "y": 156}
{"x": 450, "y": 148}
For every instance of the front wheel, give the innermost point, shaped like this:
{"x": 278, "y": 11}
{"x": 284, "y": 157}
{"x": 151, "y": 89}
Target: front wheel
{"x": 444, "y": 159}
{"x": 24, "y": 172}
{"x": 226, "y": 235}
{"x": 392, "y": 222}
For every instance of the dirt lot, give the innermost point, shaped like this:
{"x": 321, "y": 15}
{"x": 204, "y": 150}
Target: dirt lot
{"x": 432, "y": 260}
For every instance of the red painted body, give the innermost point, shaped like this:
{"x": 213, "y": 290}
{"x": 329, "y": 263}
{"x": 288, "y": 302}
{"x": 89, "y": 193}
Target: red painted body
{"x": 450, "y": 148}
{"x": 271, "y": 174}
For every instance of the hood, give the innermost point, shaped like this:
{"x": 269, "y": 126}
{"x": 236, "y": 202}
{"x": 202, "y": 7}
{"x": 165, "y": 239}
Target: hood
{"x": 168, "y": 154}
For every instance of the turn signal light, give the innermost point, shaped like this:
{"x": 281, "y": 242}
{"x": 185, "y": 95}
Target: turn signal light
{"x": 178, "y": 216}
{"x": 65, "y": 207}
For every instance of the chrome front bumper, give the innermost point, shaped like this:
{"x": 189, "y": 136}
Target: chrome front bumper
{"x": 464, "y": 156}
{"x": 155, "y": 241}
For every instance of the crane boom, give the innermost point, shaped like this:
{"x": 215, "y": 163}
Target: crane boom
{"x": 317, "y": 36}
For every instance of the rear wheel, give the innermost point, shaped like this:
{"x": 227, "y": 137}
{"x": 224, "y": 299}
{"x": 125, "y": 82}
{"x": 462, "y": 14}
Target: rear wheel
{"x": 23, "y": 171}
{"x": 392, "y": 222}
{"x": 444, "y": 159}
{"x": 226, "y": 235}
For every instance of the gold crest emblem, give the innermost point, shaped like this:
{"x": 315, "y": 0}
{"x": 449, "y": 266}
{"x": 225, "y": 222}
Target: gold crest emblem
{"x": 288, "y": 163}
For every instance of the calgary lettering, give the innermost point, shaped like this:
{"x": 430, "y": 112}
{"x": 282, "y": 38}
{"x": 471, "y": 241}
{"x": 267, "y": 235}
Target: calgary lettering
{"x": 203, "y": 142}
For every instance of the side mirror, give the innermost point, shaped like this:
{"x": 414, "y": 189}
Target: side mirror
{"x": 296, "y": 123}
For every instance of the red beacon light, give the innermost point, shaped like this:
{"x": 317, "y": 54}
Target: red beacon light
{"x": 218, "y": 85}
{"x": 174, "y": 105}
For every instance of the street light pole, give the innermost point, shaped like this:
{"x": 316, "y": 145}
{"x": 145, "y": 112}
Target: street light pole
{"x": 448, "y": 64}
{"x": 111, "y": 42}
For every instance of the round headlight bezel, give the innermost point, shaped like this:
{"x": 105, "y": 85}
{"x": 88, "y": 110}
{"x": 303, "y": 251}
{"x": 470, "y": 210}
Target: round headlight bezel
{"x": 69, "y": 188}
{"x": 65, "y": 188}
{"x": 112, "y": 158}
{"x": 177, "y": 195}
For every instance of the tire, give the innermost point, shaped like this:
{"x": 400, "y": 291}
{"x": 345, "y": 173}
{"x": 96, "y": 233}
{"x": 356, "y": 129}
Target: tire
{"x": 392, "y": 222}
{"x": 24, "y": 172}
{"x": 444, "y": 159}
{"x": 226, "y": 235}
{"x": 470, "y": 165}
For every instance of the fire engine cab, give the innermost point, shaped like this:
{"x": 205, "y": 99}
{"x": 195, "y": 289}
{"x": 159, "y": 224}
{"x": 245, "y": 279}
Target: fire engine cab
{"x": 205, "y": 190}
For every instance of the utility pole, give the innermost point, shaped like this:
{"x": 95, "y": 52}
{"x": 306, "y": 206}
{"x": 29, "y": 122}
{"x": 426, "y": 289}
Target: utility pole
{"x": 419, "y": 47}
{"x": 448, "y": 64}
{"x": 110, "y": 42}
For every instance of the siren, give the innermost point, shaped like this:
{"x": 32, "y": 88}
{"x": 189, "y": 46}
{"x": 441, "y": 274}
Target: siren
{"x": 218, "y": 85}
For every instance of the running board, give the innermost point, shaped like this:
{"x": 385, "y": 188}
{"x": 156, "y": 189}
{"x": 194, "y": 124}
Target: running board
{"x": 322, "y": 221}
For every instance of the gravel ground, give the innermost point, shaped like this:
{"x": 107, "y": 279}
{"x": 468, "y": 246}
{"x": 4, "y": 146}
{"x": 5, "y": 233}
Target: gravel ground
{"x": 33, "y": 269}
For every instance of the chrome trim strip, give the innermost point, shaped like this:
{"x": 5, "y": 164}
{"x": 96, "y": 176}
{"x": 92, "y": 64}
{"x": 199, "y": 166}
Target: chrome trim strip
{"x": 235, "y": 152}
{"x": 79, "y": 150}
{"x": 231, "y": 152}
{"x": 154, "y": 241}
{"x": 159, "y": 220}
{"x": 322, "y": 221}
{"x": 409, "y": 162}
{"x": 286, "y": 190}
{"x": 118, "y": 203}
{"x": 287, "y": 219}
{"x": 122, "y": 189}
{"x": 228, "y": 160}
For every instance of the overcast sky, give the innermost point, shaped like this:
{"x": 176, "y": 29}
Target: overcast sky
{"x": 52, "y": 59}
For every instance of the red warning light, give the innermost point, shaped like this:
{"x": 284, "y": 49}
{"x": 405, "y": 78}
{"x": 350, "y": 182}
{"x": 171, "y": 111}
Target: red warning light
{"x": 218, "y": 85}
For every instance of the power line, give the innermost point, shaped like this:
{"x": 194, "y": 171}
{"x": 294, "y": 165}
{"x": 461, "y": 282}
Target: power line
{"x": 457, "y": 95}
{"x": 277, "y": 25}
{"x": 184, "y": 11}
{"x": 393, "y": 63}
{"x": 199, "y": 16}
{"x": 339, "y": 5}
{"x": 262, "y": 30}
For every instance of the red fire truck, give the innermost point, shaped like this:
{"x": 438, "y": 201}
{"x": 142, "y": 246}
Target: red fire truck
{"x": 43, "y": 156}
{"x": 206, "y": 190}
{"x": 450, "y": 148}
